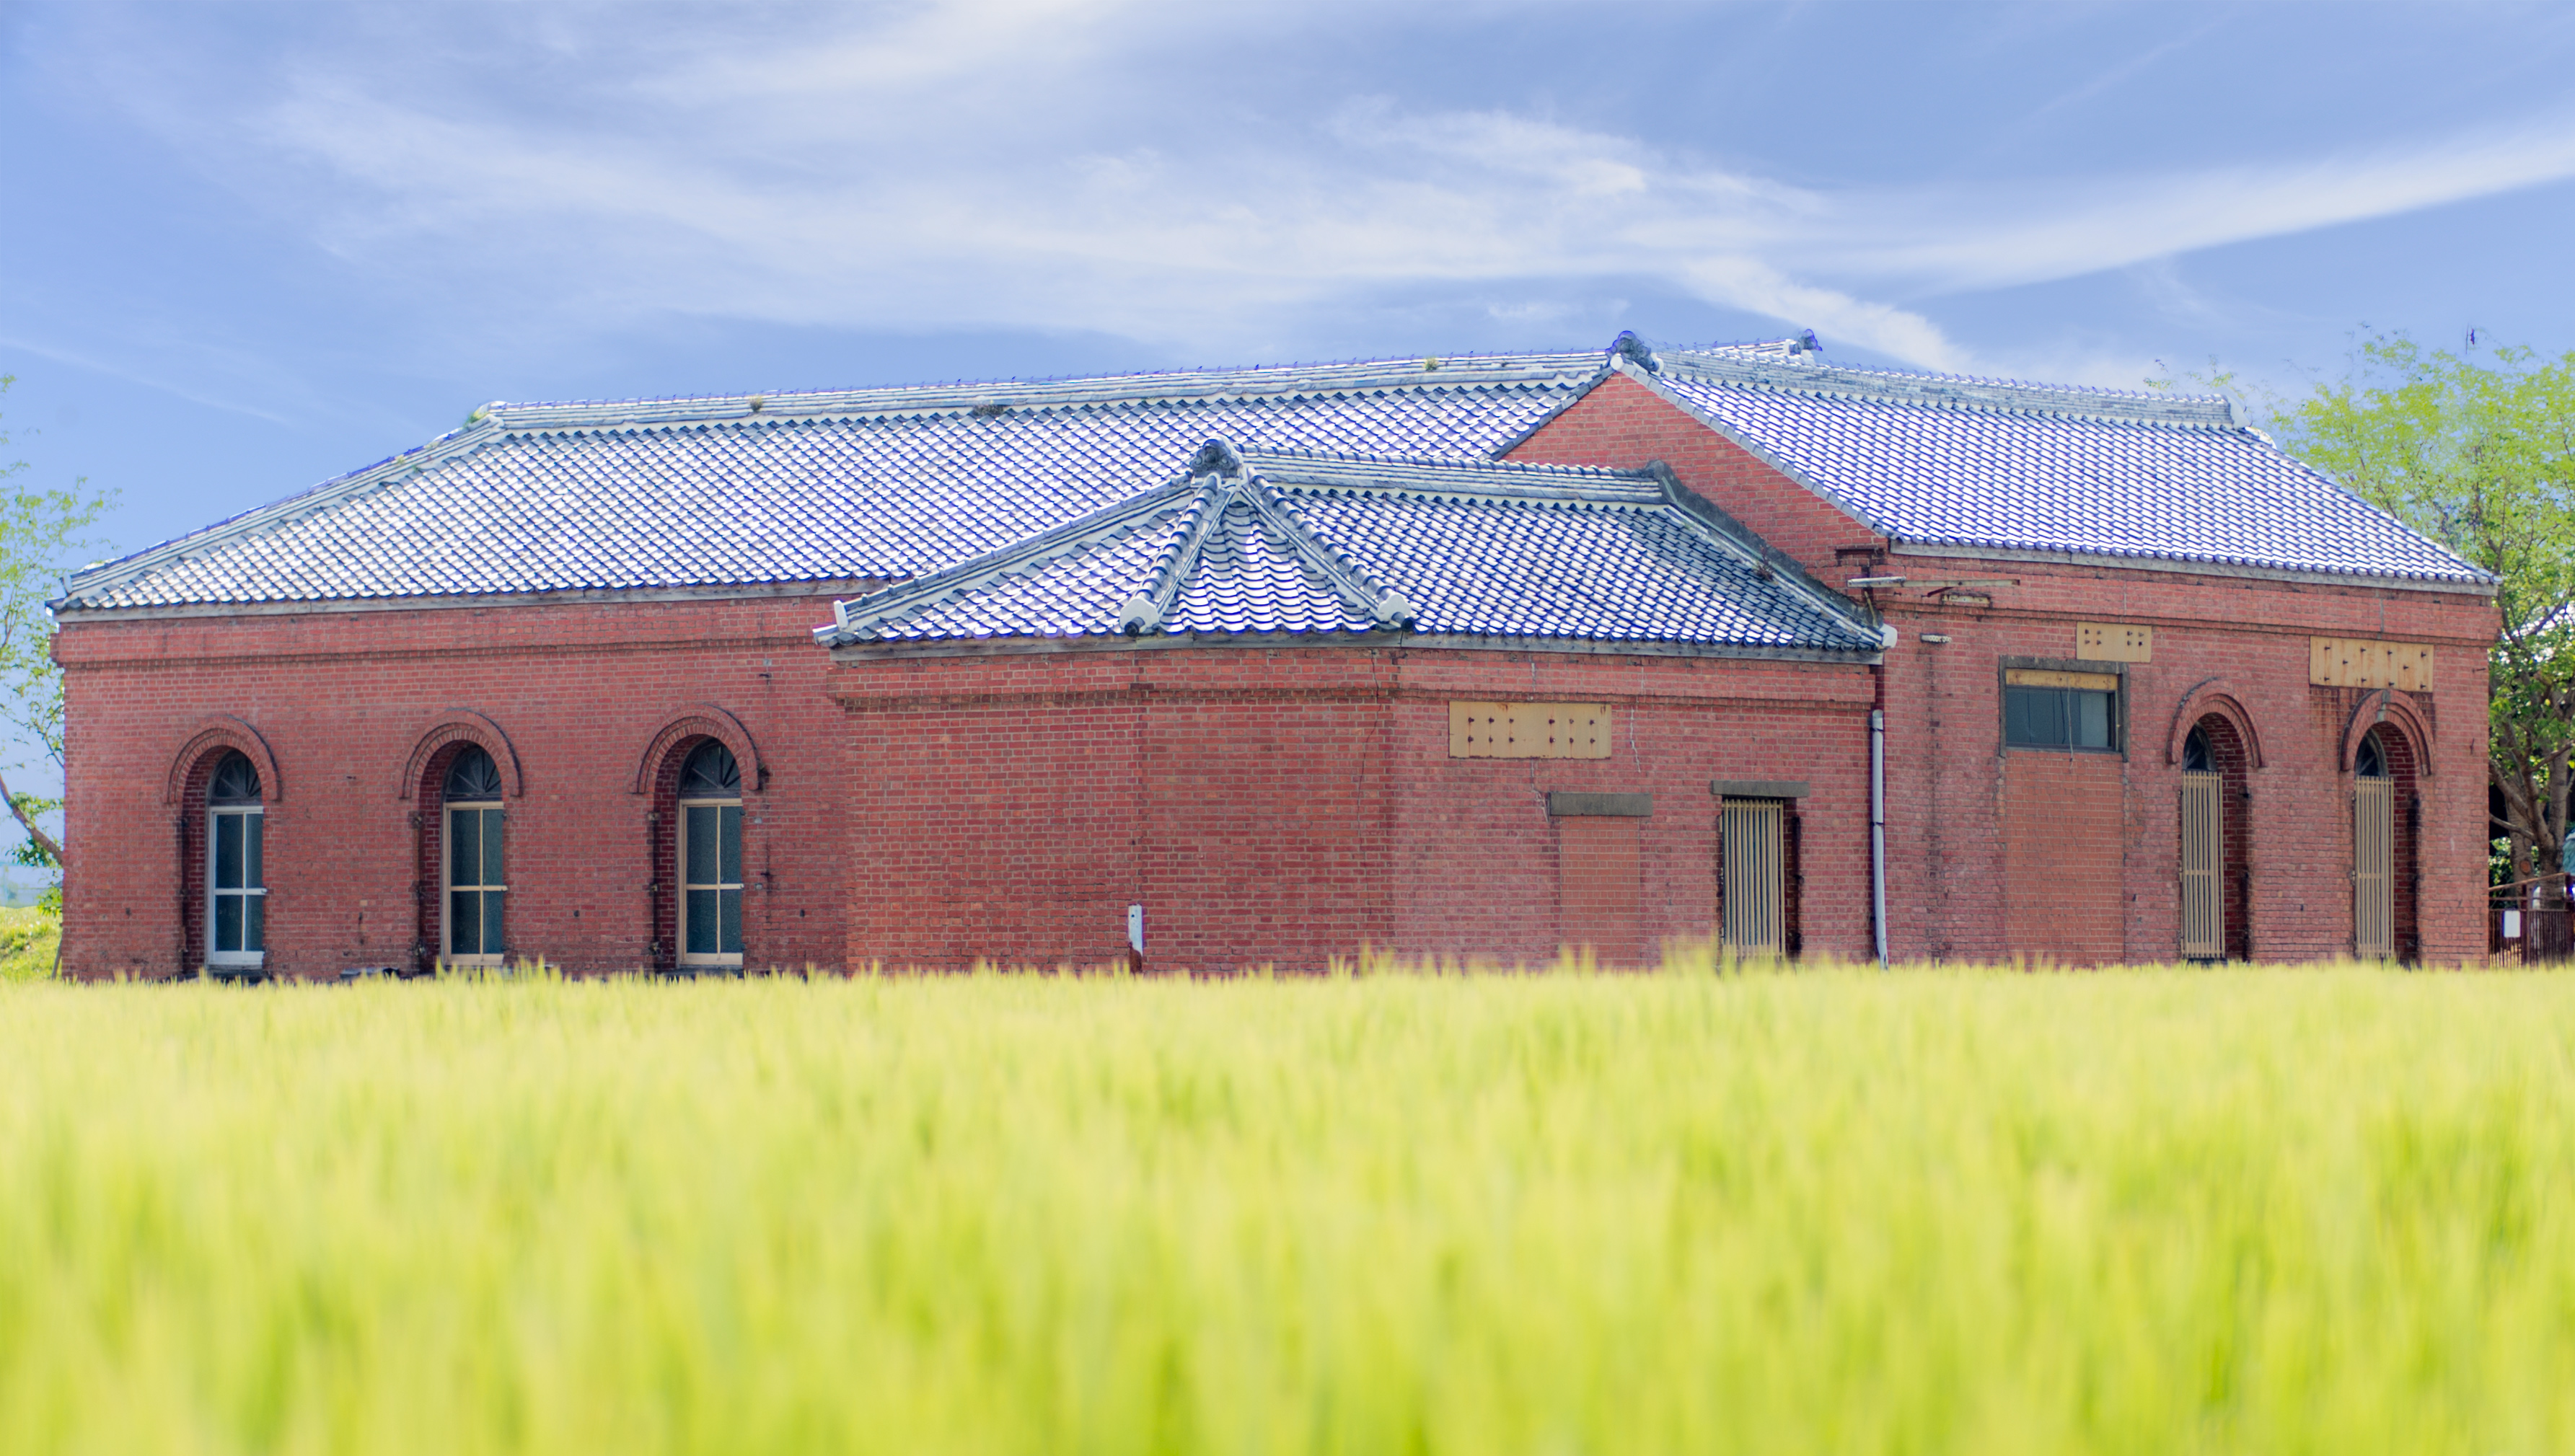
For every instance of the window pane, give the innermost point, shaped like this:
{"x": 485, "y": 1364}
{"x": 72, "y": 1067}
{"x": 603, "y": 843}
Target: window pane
{"x": 704, "y": 921}
{"x": 492, "y": 856}
{"x": 465, "y": 846}
{"x": 228, "y": 852}
{"x": 731, "y": 920}
{"x": 2092, "y": 719}
{"x": 253, "y": 828}
{"x": 700, "y": 834}
{"x": 465, "y": 923}
{"x": 228, "y": 926}
{"x": 2033, "y": 717}
{"x": 254, "y": 922}
{"x": 732, "y": 814}
{"x": 494, "y": 942}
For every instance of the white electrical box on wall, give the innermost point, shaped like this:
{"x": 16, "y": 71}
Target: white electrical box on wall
{"x": 1136, "y": 928}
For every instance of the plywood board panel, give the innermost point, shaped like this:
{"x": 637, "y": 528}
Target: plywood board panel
{"x": 1529, "y": 731}
{"x": 2336, "y": 661}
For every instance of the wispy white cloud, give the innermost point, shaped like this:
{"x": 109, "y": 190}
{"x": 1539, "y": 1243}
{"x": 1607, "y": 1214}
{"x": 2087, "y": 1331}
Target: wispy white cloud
{"x": 1023, "y": 164}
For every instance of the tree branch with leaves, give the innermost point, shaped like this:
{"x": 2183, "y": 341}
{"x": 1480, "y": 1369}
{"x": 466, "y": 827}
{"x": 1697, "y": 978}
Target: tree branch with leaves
{"x": 2476, "y": 450}
{"x": 39, "y": 529}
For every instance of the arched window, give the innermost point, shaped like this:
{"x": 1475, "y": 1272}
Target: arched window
{"x": 477, "y": 890}
{"x": 710, "y": 869}
{"x": 236, "y": 868}
{"x": 2373, "y": 852}
{"x": 2216, "y": 865}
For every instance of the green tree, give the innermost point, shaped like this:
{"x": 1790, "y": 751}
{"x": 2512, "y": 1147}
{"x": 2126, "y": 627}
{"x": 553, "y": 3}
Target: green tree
{"x": 38, "y": 529}
{"x": 2476, "y": 450}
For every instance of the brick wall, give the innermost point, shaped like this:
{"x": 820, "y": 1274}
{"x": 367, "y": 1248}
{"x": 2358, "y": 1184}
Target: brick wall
{"x": 345, "y": 701}
{"x": 1284, "y": 806}
{"x": 2064, "y": 857}
{"x": 1625, "y": 425}
{"x": 1277, "y": 806}
{"x": 1598, "y": 884}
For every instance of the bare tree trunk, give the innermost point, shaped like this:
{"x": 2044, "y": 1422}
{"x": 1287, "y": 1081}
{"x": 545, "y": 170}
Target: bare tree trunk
{"x": 43, "y": 841}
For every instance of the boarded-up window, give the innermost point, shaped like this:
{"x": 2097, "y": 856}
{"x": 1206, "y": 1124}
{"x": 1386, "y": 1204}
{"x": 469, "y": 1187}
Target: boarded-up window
{"x": 2373, "y": 868}
{"x": 1752, "y": 850}
{"x": 1529, "y": 731}
{"x": 1599, "y": 891}
{"x": 2113, "y": 641}
{"x": 2203, "y": 865}
{"x": 2334, "y": 661}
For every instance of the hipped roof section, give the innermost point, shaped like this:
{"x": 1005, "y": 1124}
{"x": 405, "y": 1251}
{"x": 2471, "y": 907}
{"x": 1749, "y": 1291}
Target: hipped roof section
{"x": 883, "y": 484}
{"x": 1254, "y": 543}
{"x": 1997, "y": 465}
{"x": 886, "y": 485}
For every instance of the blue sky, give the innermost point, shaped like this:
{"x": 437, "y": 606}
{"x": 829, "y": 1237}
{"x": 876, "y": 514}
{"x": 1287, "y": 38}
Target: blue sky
{"x": 250, "y": 247}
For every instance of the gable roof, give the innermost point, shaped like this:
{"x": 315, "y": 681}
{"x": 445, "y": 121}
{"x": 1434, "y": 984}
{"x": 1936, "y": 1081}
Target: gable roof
{"x": 1312, "y": 544}
{"x": 1952, "y": 460}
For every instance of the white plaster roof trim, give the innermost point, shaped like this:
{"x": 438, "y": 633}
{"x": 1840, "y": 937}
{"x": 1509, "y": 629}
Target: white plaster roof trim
{"x": 1314, "y": 543}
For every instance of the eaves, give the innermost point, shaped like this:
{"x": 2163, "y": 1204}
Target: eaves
{"x": 1022, "y": 647}
{"x": 2180, "y": 567}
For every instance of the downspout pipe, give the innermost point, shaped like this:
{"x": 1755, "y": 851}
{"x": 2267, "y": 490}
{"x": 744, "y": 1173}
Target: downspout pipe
{"x": 1877, "y": 828}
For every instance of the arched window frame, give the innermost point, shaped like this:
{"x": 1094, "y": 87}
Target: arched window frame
{"x": 2216, "y": 754}
{"x": 236, "y": 879}
{"x": 706, "y": 867}
{"x": 2386, "y": 831}
{"x": 473, "y": 860}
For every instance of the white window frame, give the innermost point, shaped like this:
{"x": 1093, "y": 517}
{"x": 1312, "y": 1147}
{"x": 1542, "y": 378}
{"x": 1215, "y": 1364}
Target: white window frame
{"x": 680, "y": 877}
{"x": 447, "y": 886}
{"x": 236, "y": 960}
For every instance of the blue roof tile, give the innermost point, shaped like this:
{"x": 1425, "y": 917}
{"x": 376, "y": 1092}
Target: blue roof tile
{"x": 1943, "y": 460}
{"x": 893, "y": 484}
{"x": 1311, "y": 544}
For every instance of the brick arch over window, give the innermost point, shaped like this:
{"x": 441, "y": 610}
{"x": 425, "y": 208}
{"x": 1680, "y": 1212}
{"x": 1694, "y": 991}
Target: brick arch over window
{"x": 659, "y": 775}
{"x": 2394, "y": 710}
{"x": 703, "y": 720}
{"x": 206, "y": 740}
{"x": 2214, "y": 699}
{"x": 462, "y": 724}
{"x": 192, "y": 772}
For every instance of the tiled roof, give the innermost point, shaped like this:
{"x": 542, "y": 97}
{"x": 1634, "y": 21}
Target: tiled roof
{"x": 872, "y": 483}
{"x": 1307, "y": 543}
{"x": 1941, "y": 459}
{"x": 892, "y": 483}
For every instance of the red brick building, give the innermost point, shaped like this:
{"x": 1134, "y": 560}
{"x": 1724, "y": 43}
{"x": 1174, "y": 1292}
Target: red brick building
{"x": 1472, "y": 658}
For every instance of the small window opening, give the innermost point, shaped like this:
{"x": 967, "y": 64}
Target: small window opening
{"x": 2371, "y": 763}
{"x": 2060, "y": 718}
{"x": 2195, "y": 758}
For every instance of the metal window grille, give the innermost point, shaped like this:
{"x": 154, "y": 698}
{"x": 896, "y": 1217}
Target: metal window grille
{"x": 2373, "y": 866}
{"x": 1756, "y": 915}
{"x": 2203, "y": 860}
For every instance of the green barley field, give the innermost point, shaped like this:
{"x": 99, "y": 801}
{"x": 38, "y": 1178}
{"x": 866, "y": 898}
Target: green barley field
{"x": 1827, "y": 1212}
